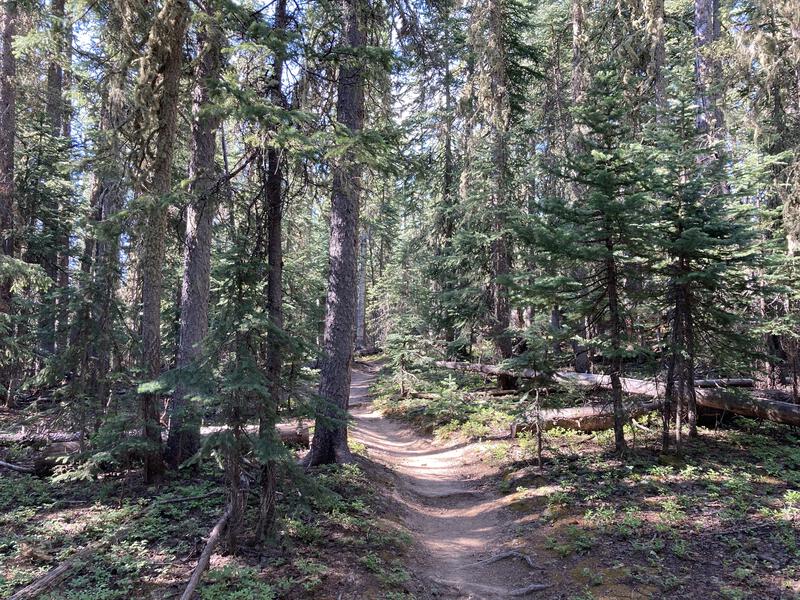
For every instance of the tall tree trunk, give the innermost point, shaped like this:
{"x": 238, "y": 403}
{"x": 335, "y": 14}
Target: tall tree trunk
{"x": 448, "y": 172}
{"x": 655, "y": 68}
{"x": 91, "y": 331}
{"x": 582, "y": 362}
{"x": 184, "y": 425}
{"x": 52, "y": 323}
{"x": 64, "y": 42}
{"x": 157, "y": 92}
{"x": 330, "y": 434}
{"x": 616, "y": 331}
{"x": 107, "y": 197}
{"x": 361, "y": 296}
{"x": 500, "y": 122}
{"x": 8, "y": 91}
{"x": 707, "y": 71}
{"x": 794, "y": 28}
{"x": 578, "y": 78}
{"x": 680, "y": 395}
{"x": 275, "y": 338}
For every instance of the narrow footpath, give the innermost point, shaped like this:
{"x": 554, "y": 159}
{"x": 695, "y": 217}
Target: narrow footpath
{"x": 459, "y": 522}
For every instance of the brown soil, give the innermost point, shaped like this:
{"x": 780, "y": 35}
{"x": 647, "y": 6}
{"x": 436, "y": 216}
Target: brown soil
{"x": 460, "y": 524}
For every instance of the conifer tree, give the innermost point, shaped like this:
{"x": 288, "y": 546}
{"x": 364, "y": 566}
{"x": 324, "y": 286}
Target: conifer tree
{"x": 330, "y": 437}
{"x": 708, "y": 251}
{"x": 157, "y": 97}
{"x": 8, "y": 16}
{"x": 184, "y": 426}
{"x": 606, "y": 232}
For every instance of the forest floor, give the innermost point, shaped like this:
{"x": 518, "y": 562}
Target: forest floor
{"x": 722, "y": 521}
{"x": 440, "y": 504}
{"x": 338, "y": 535}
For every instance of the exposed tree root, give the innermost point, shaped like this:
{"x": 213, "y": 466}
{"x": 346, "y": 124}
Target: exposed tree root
{"x": 530, "y": 589}
{"x": 503, "y": 556}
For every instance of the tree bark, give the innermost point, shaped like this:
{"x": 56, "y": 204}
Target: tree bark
{"x": 8, "y": 87}
{"x": 184, "y": 425}
{"x": 582, "y": 361}
{"x": 158, "y": 102}
{"x": 584, "y": 418}
{"x": 275, "y": 337}
{"x": 615, "y": 325}
{"x": 446, "y": 221}
{"x": 657, "y": 52}
{"x": 330, "y": 434}
{"x": 753, "y": 405}
{"x": 62, "y": 130}
{"x": 491, "y": 370}
{"x": 109, "y": 188}
{"x": 91, "y": 332}
{"x": 205, "y": 556}
{"x": 706, "y": 32}
{"x": 578, "y": 78}
{"x": 680, "y": 391}
{"x": 51, "y": 322}
{"x": 361, "y": 296}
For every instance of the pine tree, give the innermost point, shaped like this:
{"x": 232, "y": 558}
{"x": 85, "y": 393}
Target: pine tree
{"x": 330, "y": 437}
{"x": 8, "y": 15}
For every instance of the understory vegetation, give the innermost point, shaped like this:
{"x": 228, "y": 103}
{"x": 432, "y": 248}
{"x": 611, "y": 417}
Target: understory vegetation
{"x": 335, "y": 530}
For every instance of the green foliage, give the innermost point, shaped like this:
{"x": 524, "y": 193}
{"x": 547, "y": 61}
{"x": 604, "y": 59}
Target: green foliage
{"x": 235, "y": 583}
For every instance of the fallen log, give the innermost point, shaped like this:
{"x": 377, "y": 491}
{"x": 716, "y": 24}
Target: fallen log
{"x": 17, "y": 468}
{"x": 54, "y": 576}
{"x": 758, "y": 405}
{"x": 582, "y": 418}
{"x": 38, "y": 439}
{"x": 475, "y": 394}
{"x": 75, "y": 562}
{"x": 495, "y": 392}
{"x": 722, "y": 383}
{"x": 753, "y": 405}
{"x": 205, "y": 557}
{"x": 490, "y": 369}
{"x": 293, "y": 434}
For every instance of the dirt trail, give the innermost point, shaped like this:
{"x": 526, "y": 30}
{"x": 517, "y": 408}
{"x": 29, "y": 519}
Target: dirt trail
{"x": 459, "y": 522}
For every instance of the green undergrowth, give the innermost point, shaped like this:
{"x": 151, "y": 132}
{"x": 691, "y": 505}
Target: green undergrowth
{"x": 447, "y": 403}
{"x": 149, "y": 543}
{"x": 731, "y": 501}
{"x": 722, "y": 520}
